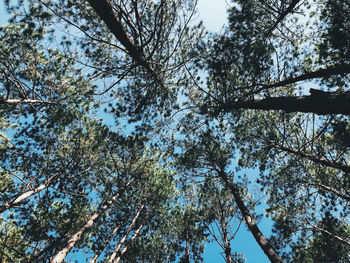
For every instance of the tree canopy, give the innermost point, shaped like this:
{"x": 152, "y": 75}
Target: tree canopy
{"x": 128, "y": 133}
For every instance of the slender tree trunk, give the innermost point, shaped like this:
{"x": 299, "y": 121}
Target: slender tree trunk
{"x": 319, "y": 102}
{"x": 127, "y": 246}
{"x": 265, "y": 245}
{"x": 27, "y": 194}
{"x": 59, "y": 257}
{"x": 187, "y": 251}
{"x": 224, "y": 235}
{"x": 121, "y": 242}
{"x": 94, "y": 259}
{"x": 228, "y": 252}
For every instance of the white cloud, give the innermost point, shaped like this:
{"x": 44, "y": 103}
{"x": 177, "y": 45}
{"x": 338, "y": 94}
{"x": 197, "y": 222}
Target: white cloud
{"x": 212, "y": 13}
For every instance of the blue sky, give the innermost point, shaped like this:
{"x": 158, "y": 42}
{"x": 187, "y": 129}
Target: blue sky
{"x": 214, "y": 17}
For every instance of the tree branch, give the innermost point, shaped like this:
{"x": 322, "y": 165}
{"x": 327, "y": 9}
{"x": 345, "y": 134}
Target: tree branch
{"x": 320, "y": 73}
{"x": 283, "y": 15}
{"x": 329, "y": 233}
{"x": 25, "y": 101}
{"x": 343, "y": 167}
{"x": 319, "y": 102}
{"x": 105, "y": 11}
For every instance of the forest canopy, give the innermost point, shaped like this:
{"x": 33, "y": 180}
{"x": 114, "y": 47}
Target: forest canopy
{"x": 129, "y": 133}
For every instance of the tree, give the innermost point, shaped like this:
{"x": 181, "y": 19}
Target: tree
{"x": 206, "y": 156}
{"x": 75, "y": 182}
{"x": 253, "y": 66}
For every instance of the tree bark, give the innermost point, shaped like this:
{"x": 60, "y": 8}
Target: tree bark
{"x": 120, "y": 243}
{"x": 187, "y": 250}
{"x": 265, "y": 245}
{"x": 228, "y": 252}
{"x": 59, "y": 257}
{"x": 319, "y": 102}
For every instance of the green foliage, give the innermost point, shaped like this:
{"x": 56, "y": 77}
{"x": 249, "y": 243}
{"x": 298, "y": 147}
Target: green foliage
{"x": 149, "y": 136}
{"x": 325, "y": 248}
{"x": 13, "y": 245}
{"x": 336, "y": 37}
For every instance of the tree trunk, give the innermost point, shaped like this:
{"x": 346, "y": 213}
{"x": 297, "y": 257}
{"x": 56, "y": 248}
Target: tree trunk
{"x": 59, "y": 257}
{"x": 187, "y": 251}
{"x": 228, "y": 255}
{"x": 94, "y": 259}
{"x": 114, "y": 254}
{"x": 265, "y": 245}
{"x": 224, "y": 236}
{"x": 127, "y": 246}
{"x": 319, "y": 102}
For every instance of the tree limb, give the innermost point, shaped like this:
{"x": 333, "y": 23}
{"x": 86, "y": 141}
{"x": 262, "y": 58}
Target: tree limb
{"x": 319, "y": 102}
{"x": 329, "y": 233}
{"x": 320, "y": 73}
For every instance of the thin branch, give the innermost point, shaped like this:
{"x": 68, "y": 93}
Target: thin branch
{"x": 283, "y": 15}
{"x": 329, "y": 233}
{"x": 26, "y": 101}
